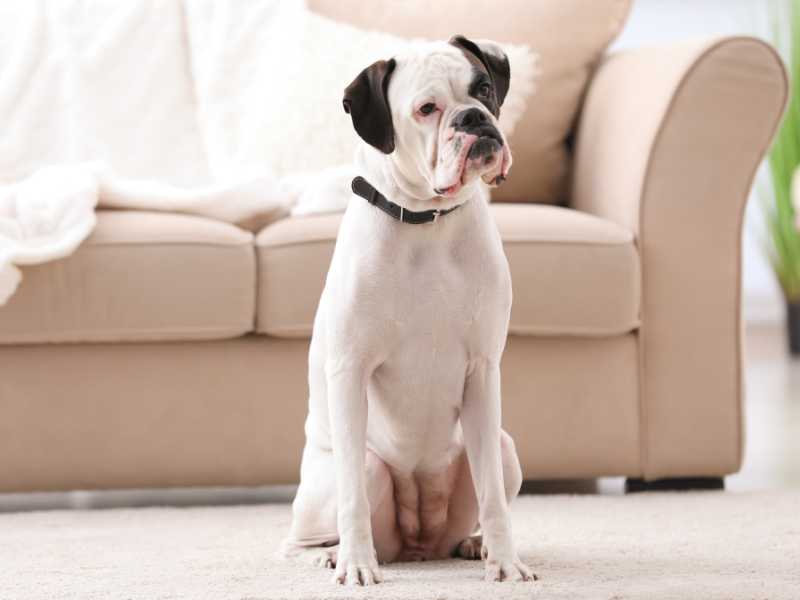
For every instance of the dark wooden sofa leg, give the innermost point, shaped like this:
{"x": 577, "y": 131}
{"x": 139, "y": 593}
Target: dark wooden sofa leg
{"x": 676, "y": 484}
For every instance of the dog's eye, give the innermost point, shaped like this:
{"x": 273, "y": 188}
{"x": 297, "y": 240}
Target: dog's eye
{"x": 427, "y": 108}
{"x": 484, "y": 90}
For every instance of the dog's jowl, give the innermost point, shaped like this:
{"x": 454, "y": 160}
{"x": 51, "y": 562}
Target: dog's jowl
{"x": 405, "y": 458}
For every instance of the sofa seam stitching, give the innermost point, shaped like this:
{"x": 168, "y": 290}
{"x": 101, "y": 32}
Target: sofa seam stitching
{"x": 505, "y": 242}
{"x": 33, "y": 339}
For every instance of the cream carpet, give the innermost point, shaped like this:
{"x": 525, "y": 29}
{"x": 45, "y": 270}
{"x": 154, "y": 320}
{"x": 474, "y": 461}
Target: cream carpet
{"x": 704, "y": 545}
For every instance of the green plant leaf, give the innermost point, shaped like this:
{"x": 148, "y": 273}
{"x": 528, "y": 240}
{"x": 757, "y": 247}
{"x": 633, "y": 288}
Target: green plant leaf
{"x": 782, "y": 245}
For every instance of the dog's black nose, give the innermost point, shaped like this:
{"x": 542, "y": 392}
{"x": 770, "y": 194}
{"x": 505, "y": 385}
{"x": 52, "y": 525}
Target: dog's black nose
{"x": 475, "y": 121}
{"x": 471, "y": 118}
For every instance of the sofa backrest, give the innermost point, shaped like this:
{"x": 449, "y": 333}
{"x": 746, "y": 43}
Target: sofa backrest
{"x": 569, "y": 36}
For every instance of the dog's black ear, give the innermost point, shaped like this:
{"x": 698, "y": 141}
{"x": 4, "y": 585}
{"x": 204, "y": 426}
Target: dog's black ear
{"x": 493, "y": 59}
{"x": 365, "y": 100}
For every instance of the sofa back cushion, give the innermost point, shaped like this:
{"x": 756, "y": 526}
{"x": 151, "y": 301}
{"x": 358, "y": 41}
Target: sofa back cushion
{"x": 568, "y": 35}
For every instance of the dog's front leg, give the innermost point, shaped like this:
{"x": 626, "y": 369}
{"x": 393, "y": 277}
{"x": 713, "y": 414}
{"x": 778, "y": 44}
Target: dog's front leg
{"x": 347, "y": 405}
{"x": 480, "y": 422}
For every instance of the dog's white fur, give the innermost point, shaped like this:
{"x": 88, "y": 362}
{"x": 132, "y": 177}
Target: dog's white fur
{"x": 405, "y": 455}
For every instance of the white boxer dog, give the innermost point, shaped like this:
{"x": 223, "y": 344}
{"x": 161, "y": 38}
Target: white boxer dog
{"x": 405, "y": 457}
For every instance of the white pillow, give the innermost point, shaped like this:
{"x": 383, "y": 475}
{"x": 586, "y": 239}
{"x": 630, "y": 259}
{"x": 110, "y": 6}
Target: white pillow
{"x": 270, "y": 76}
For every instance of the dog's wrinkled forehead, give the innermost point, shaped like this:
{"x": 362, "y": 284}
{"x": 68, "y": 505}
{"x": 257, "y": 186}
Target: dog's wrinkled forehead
{"x": 458, "y": 68}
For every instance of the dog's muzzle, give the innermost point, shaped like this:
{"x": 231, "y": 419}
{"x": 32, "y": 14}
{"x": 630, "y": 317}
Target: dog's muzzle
{"x": 476, "y": 122}
{"x": 473, "y": 146}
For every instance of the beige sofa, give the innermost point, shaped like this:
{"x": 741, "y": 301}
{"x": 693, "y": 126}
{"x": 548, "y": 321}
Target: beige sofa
{"x": 171, "y": 350}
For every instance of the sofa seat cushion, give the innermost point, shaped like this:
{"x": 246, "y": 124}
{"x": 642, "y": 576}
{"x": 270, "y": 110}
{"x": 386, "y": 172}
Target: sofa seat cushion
{"x": 572, "y": 273}
{"x": 139, "y": 276}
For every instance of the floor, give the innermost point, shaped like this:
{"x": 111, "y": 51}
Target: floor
{"x": 656, "y": 546}
{"x": 772, "y": 455}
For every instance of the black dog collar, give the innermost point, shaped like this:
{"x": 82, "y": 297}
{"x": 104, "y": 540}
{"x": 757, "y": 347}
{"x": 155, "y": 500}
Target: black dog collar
{"x": 363, "y": 188}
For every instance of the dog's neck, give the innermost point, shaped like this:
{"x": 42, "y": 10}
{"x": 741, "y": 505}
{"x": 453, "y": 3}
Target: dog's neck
{"x": 402, "y": 188}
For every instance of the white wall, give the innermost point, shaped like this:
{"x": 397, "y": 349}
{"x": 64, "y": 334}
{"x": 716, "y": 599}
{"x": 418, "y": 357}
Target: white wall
{"x": 663, "y": 21}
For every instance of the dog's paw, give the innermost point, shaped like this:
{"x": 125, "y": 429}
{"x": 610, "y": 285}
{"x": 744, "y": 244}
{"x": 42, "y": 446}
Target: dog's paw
{"x": 508, "y": 570}
{"x": 357, "y": 567}
{"x": 318, "y": 556}
{"x": 471, "y": 548}
{"x": 322, "y": 557}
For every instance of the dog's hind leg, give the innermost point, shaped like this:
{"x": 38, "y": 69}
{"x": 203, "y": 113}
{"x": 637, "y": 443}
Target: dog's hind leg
{"x": 313, "y": 536}
{"x": 470, "y": 548}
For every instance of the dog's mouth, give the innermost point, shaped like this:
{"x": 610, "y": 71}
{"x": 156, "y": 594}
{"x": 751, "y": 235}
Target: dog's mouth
{"x": 484, "y": 156}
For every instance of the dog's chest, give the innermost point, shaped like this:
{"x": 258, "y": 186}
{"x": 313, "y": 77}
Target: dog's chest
{"x": 438, "y": 295}
{"x": 448, "y": 305}
{"x": 440, "y": 287}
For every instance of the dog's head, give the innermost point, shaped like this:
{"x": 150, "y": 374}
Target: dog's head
{"x": 433, "y": 112}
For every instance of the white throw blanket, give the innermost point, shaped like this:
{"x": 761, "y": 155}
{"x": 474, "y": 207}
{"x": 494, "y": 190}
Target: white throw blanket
{"x": 98, "y": 109}
{"x": 48, "y": 215}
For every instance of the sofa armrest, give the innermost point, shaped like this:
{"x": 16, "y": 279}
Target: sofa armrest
{"x": 668, "y": 143}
